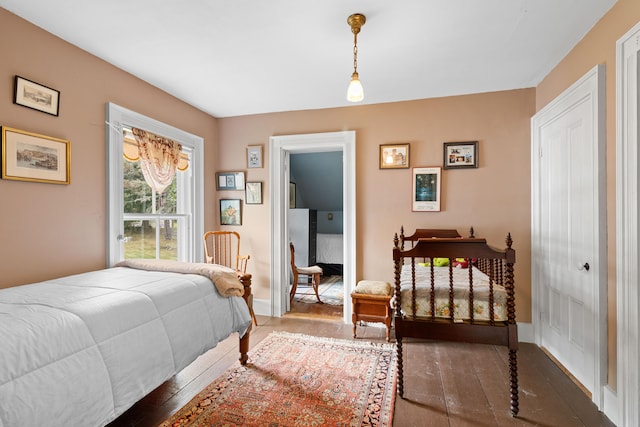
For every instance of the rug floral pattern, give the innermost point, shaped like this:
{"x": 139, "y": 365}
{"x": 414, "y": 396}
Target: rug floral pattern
{"x": 299, "y": 380}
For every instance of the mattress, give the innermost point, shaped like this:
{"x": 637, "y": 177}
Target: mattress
{"x": 461, "y": 294}
{"x": 329, "y": 249}
{"x": 82, "y": 349}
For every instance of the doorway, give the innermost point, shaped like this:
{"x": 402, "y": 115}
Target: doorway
{"x": 281, "y": 148}
{"x": 316, "y": 232}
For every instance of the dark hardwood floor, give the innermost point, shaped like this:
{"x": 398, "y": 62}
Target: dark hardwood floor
{"x": 446, "y": 384}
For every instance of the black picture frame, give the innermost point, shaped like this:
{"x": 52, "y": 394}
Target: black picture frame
{"x": 230, "y": 212}
{"x": 38, "y": 97}
{"x": 460, "y": 155}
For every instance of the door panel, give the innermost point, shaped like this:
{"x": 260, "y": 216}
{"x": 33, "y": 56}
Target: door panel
{"x": 568, "y": 227}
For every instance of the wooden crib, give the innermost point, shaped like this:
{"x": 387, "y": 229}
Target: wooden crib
{"x": 471, "y": 299}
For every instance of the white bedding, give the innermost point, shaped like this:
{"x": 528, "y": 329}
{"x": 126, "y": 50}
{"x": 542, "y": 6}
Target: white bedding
{"x": 329, "y": 249}
{"x": 80, "y": 350}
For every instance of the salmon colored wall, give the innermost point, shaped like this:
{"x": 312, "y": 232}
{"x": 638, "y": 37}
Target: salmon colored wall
{"x": 599, "y": 47}
{"x": 494, "y": 199}
{"x": 50, "y": 230}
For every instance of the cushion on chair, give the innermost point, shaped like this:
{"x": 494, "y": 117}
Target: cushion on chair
{"x": 373, "y": 287}
{"x": 314, "y": 269}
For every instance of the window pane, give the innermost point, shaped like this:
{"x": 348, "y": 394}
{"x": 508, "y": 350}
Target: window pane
{"x": 169, "y": 239}
{"x": 137, "y": 193}
{"x": 140, "y": 239}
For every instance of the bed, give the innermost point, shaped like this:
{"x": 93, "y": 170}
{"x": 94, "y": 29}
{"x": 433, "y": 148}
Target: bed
{"x": 437, "y": 269}
{"x": 82, "y": 349}
{"x": 330, "y": 253}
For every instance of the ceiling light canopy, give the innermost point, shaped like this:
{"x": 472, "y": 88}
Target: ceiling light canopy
{"x": 355, "y": 93}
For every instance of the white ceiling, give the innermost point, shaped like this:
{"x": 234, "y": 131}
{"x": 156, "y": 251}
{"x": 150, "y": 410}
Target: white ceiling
{"x": 240, "y": 57}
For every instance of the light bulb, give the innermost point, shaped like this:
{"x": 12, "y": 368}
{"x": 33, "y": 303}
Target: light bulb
{"x": 355, "y": 93}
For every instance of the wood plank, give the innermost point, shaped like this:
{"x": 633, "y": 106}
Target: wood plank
{"x": 446, "y": 383}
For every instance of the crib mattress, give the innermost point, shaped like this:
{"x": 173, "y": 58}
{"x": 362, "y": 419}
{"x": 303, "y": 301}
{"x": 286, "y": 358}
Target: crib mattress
{"x": 461, "y": 294}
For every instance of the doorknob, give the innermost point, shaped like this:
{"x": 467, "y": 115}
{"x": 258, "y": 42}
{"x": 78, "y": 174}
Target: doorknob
{"x": 585, "y": 266}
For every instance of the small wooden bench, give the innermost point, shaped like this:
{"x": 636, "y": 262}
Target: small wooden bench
{"x": 371, "y": 301}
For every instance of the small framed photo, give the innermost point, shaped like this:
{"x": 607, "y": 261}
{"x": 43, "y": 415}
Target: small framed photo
{"x": 253, "y": 193}
{"x": 426, "y": 189}
{"x": 394, "y": 156}
{"x": 36, "y": 96}
{"x": 459, "y": 155}
{"x": 254, "y": 156}
{"x": 230, "y": 180}
{"x": 230, "y": 212}
{"x": 28, "y": 156}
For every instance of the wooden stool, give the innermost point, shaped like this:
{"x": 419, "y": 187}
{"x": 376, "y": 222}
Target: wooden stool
{"x": 372, "y": 303}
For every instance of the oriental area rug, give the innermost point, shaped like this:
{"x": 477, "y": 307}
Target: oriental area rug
{"x": 299, "y": 380}
{"x": 331, "y": 291}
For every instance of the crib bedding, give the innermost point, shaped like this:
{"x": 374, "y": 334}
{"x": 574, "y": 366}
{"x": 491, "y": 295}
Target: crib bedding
{"x": 461, "y": 293}
{"x": 82, "y": 349}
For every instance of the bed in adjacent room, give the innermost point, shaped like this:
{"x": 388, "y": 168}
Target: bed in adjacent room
{"x": 82, "y": 349}
{"x": 330, "y": 253}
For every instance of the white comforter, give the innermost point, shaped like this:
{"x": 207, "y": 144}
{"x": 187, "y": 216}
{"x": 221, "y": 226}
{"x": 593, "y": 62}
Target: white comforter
{"x": 80, "y": 350}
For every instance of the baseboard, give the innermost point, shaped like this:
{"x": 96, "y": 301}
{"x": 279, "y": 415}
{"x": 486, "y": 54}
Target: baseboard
{"x": 262, "y": 307}
{"x": 525, "y": 332}
{"x": 610, "y": 404}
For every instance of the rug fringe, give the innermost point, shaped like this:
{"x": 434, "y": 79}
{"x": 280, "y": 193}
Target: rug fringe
{"x": 347, "y": 342}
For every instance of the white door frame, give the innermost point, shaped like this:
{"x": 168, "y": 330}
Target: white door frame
{"x": 279, "y": 149}
{"x": 627, "y": 246}
{"x": 589, "y": 89}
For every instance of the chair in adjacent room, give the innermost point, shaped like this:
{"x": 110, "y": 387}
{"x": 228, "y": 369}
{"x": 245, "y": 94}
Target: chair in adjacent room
{"x": 313, "y": 273}
{"x": 223, "y": 248}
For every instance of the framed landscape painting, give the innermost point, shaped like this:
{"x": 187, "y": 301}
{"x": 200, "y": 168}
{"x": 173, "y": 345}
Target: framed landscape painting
{"x": 27, "y": 156}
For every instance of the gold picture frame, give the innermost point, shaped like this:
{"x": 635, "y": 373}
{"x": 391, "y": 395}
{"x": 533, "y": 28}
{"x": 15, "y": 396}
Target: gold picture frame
{"x": 394, "y": 156}
{"x": 28, "y": 156}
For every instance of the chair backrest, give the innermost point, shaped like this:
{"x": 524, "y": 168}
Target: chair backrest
{"x": 223, "y": 248}
{"x": 293, "y": 256}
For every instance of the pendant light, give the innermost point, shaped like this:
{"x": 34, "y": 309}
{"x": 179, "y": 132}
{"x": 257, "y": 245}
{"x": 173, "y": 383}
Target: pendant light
{"x": 355, "y": 93}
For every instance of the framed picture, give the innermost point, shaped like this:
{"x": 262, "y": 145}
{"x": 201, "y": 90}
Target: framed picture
{"x": 292, "y": 195}
{"x": 254, "y": 156}
{"x": 458, "y": 155}
{"x": 28, "y": 156}
{"x": 230, "y": 180}
{"x": 36, "y": 96}
{"x": 230, "y": 212}
{"x": 394, "y": 156}
{"x": 426, "y": 189}
{"x": 253, "y": 193}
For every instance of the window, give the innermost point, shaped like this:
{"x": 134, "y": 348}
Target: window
{"x": 143, "y": 222}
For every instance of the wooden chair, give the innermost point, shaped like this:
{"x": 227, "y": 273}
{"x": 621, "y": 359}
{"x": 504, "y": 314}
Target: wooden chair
{"x": 313, "y": 272}
{"x": 223, "y": 248}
